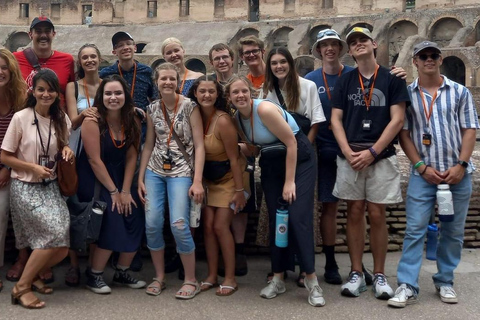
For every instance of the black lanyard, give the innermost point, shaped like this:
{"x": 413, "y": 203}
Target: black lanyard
{"x": 45, "y": 153}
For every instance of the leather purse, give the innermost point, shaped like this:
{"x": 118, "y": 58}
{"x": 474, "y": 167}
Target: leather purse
{"x": 67, "y": 175}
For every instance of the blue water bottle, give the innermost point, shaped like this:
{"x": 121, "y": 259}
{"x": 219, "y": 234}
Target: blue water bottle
{"x": 432, "y": 238}
{"x": 281, "y": 224}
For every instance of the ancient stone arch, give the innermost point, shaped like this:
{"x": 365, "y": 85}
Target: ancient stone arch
{"x": 477, "y": 31}
{"x": 397, "y": 34}
{"x": 443, "y": 30}
{"x": 304, "y": 65}
{"x": 279, "y": 37}
{"x": 454, "y": 69}
{"x": 195, "y": 64}
{"x": 140, "y": 47}
{"x": 17, "y": 40}
{"x": 156, "y": 63}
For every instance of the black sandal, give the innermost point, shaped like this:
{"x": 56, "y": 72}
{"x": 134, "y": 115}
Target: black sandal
{"x": 300, "y": 280}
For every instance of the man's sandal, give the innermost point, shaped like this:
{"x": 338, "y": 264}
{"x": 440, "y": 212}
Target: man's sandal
{"x": 190, "y": 294}
{"x": 16, "y": 299}
{"x": 155, "y": 290}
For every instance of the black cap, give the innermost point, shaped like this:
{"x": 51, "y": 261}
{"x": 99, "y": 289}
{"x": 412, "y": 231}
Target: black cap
{"x": 425, "y": 45}
{"x": 119, "y": 36}
{"x": 41, "y": 19}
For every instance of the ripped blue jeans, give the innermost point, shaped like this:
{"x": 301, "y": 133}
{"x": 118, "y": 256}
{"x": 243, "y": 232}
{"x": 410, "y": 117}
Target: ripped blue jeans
{"x": 176, "y": 189}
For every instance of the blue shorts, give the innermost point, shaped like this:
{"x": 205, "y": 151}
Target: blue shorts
{"x": 327, "y": 172}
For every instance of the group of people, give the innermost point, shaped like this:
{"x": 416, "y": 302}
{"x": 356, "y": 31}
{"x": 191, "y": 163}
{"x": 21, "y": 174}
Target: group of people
{"x": 146, "y": 138}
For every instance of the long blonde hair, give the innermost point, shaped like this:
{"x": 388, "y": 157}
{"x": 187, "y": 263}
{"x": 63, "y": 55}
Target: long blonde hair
{"x": 16, "y": 89}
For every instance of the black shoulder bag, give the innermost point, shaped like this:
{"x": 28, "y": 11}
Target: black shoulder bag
{"x": 303, "y": 122}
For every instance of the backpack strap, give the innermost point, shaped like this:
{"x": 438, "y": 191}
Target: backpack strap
{"x": 32, "y": 58}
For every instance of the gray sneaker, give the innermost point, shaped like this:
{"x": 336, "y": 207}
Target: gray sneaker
{"x": 403, "y": 296}
{"x": 447, "y": 294}
{"x": 354, "y": 285}
{"x": 381, "y": 288}
{"x": 274, "y": 288}
{"x": 315, "y": 297}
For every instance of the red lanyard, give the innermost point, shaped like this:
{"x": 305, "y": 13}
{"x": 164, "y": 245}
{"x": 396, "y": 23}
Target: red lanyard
{"x": 122, "y": 140}
{"x": 134, "y": 77}
{"x": 326, "y": 83}
{"x": 208, "y": 123}
{"x": 183, "y": 81}
{"x": 430, "y": 109}
{"x": 173, "y": 120}
{"x": 370, "y": 93}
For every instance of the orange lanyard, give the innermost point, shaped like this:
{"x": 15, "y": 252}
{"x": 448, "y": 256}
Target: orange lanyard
{"x": 183, "y": 81}
{"x": 134, "y": 76}
{"x": 326, "y": 83}
{"x": 122, "y": 143}
{"x": 85, "y": 89}
{"x": 430, "y": 109}
{"x": 173, "y": 120}
{"x": 208, "y": 123}
{"x": 370, "y": 94}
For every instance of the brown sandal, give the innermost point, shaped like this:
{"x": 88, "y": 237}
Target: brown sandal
{"x": 39, "y": 286}
{"x": 15, "y": 271}
{"x": 16, "y": 299}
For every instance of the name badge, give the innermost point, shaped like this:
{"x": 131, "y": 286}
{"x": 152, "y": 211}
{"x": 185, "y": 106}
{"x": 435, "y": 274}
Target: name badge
{"x": 367, "y": 125}
{"x": 44, "y": 161}
{"x": 427, "y": 139}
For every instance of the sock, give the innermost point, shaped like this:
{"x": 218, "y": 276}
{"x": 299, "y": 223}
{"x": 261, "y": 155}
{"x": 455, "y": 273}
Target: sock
{"x": 239, "y": 248}
{"x": 121, "y": 268}
{"x": 330, "y": 262}
{"x": 96, "y": 272}
{"x": 311, "y": 282}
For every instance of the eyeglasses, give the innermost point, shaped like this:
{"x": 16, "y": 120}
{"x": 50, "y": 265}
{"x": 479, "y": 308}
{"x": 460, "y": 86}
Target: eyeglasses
{"x": 224, "y": 58}
{"x": 329, "y": 32}
{"x": 424, "y": 57}
{"x": 254, "y": 52}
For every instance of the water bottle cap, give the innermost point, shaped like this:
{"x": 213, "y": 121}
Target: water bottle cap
{"x": 282, "y": 204}
{"x": 443, "y": 186}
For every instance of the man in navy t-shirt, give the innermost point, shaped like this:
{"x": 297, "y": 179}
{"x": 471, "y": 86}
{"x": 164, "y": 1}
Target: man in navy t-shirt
{"x": 368, "y": 109}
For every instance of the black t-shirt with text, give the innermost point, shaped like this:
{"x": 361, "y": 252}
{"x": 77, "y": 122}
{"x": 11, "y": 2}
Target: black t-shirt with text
{"x": 348, "y": 96}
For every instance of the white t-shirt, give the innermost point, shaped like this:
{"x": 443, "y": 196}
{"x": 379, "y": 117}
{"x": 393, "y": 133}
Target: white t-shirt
{"x": 309, "y": 106}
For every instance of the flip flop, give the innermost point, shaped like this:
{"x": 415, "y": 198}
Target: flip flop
{"x": 190, "y": 293}
{"x": 155, "y": 287}
{"x": 229, "y": 293}
{"x": 301, "y": 280}
{"x": 208, "y": 285}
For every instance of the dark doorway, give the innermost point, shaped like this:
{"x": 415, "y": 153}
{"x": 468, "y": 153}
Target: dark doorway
{"x": 454, "y": 69}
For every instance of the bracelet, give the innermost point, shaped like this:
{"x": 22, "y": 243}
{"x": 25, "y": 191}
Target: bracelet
{"x": 372, "y": 151}
{"x": 418, "y": 164}
{"x": 239, "y": 190}
{"x": 125, "y": 191}
{"x": 424, "y": 170}
{"x": 115, "y": 191}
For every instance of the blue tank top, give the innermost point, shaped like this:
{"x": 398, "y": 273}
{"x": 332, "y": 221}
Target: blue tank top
{"x": 261, "y": 135}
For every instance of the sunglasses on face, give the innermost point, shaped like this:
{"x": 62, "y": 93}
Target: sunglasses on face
{"x": 425, "y": 57}
{"x": 322, "y": 34}
{"x": 254, "y": 52}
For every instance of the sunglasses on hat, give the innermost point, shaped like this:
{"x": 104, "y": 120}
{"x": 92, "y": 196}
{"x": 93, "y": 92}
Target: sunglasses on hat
{"x": 325, "y": 33}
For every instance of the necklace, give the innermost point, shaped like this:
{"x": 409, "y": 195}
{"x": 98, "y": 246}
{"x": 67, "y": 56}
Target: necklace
{"x": 121, "y": 131}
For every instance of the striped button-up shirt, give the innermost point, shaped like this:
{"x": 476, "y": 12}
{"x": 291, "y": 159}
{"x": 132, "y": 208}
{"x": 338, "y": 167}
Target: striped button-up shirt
{"x": 452, "y": 111}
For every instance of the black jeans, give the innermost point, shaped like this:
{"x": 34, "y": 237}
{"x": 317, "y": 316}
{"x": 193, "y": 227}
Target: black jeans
{"x": 300, "y": 222}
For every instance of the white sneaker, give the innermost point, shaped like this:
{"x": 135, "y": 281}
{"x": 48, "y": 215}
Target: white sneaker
{"x": 315, "y": 297}
{"x": 354, "y": 285}
{"x": 275, "y": 287}
{"x": 381, "y": 288}
{"x": 403, "y": 296}
{"x": 447, "y": 294}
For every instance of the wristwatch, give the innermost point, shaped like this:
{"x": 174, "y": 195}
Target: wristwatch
{"x": 463, "y": 163}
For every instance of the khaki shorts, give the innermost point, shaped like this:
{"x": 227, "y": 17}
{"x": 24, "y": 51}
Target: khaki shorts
{"x": 379, "y": 183}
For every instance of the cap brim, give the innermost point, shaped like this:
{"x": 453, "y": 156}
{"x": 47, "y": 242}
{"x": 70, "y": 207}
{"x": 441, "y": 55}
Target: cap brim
{"x": 431, "y": 48}
{"x": 355, "y": 33}
{"x": 317, "y": 55}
